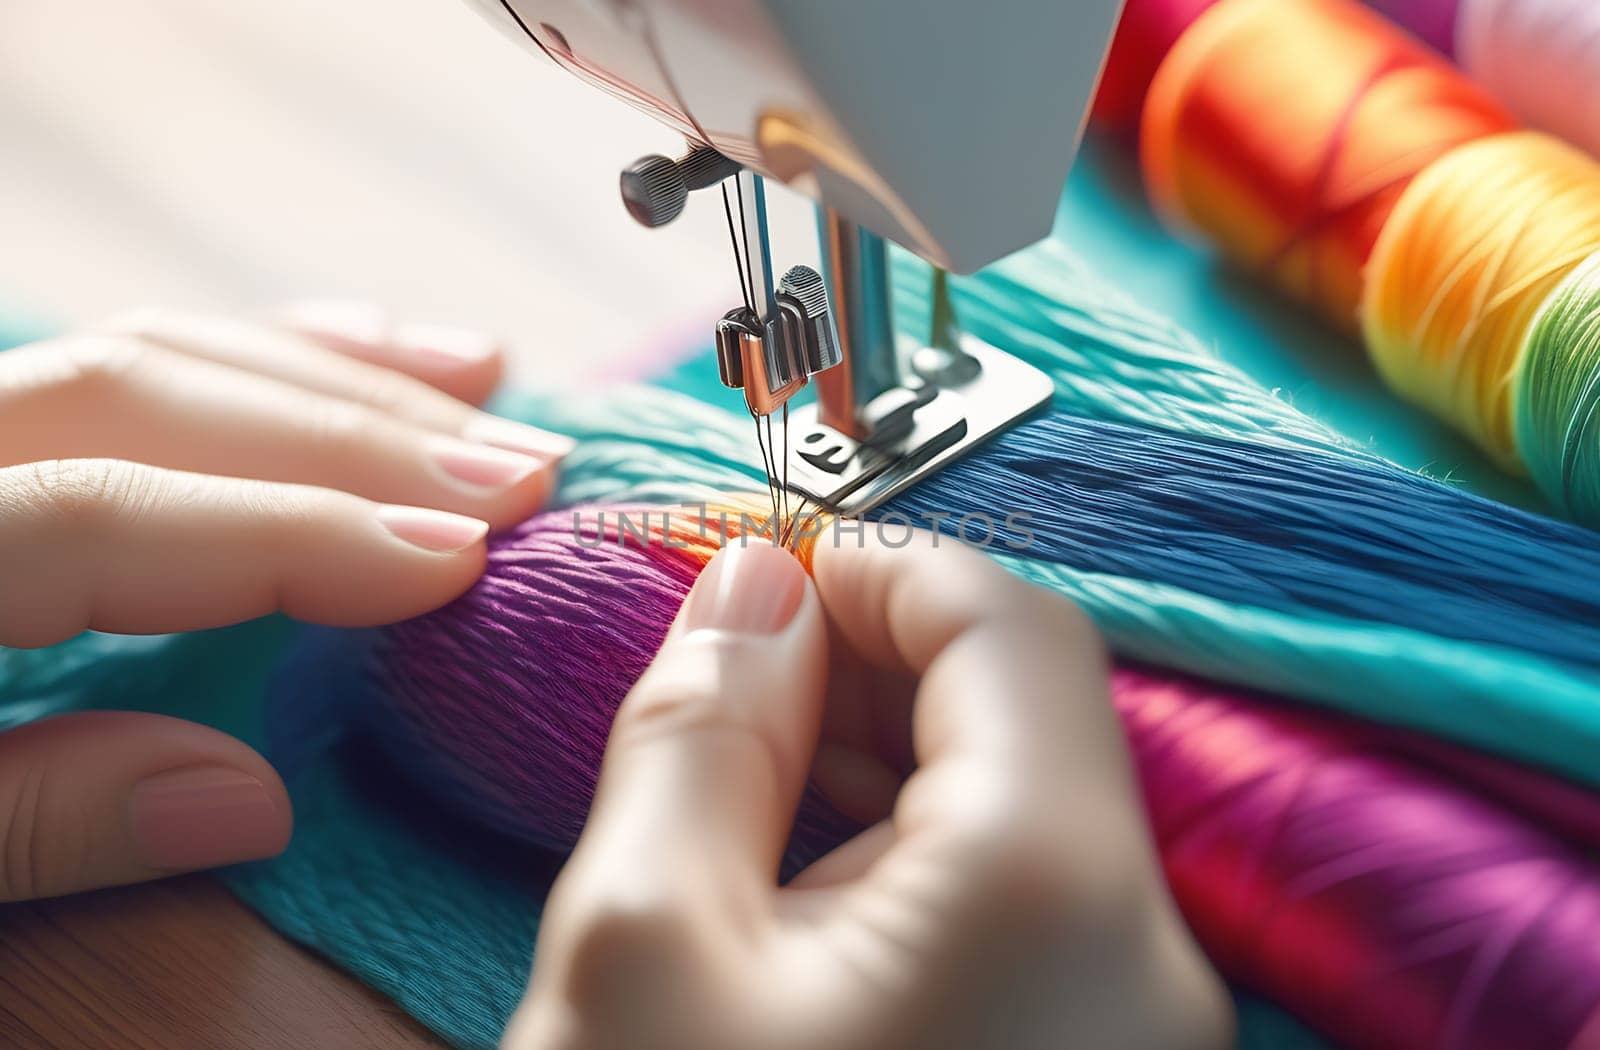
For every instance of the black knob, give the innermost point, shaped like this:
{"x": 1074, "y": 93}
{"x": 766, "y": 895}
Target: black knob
{"x": 653, "y": 190}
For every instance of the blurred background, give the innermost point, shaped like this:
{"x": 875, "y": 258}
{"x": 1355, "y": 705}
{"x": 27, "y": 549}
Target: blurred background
{"x": 214, "y": 156}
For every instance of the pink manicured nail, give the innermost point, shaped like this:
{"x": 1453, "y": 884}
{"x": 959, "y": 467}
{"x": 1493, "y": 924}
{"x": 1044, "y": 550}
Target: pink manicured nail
{"x": 483, "y": 466}
{"x": 519, "y": 437}
{"x": 203, "y": 817}
{"x": 755, "y": 589}
{"x": 433, "y": 530}
{"x": 452, "y": 347}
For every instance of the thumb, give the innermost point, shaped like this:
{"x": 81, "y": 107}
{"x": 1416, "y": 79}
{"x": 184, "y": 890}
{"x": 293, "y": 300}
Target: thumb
{"x": 709, "y": 753}
{"x": 109, "y": 797}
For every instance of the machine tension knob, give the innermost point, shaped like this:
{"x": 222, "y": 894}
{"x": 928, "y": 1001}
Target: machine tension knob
{"x": 655, "y": 188}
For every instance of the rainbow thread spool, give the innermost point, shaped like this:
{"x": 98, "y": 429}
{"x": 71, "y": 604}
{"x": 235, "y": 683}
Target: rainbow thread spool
{"x": 1473, "y": 249}
{"x": 1286, "y": 131}
{"x": 1556, "y": 395}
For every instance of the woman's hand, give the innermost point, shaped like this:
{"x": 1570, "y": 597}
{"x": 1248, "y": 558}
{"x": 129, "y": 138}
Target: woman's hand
{"x": 170, "y": 473}
{"x": 1005, "y": 893}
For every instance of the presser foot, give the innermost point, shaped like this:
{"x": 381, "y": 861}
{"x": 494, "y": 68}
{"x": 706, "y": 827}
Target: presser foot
{"x": 953, "y": 403}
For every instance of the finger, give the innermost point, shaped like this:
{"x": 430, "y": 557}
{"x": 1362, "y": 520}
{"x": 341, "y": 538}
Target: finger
{"x": 108, "y": 396}
{"x": 1020, "y": 831}
{"x": 845, "y": 863}
{"x": 708, "y": 753}
{"x": 465, "y": 364}
{"x": 1017, "y": 745}
{"x": 115, "y": 546}
{"x": 854, "y": 777}
{"x": 106, "y": 798}
{"x": 378, "y": 368}
{"x": 865, "y": 749}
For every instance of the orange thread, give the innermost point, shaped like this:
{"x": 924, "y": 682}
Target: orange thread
{"x": 1475, "y": 248}
{"x": 1286, "y": 130}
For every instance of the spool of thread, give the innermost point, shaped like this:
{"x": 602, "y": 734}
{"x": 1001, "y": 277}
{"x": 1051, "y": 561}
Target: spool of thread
{"x": 1540, "y": 57}
{"x": 1556, "y": 395}
{"x": 1379, "y": 902}
{"x": 1287, "y": 131}
{"x": 1146, "y": 33}
{"x": 1473, "y": 249}
{"x": 501, "y": 702}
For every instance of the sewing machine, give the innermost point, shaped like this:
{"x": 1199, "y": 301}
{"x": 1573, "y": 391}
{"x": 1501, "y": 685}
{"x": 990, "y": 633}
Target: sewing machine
{"x": 945, "y": 125}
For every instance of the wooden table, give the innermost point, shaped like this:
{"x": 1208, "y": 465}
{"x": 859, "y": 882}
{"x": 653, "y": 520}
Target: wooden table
{"x": 177, "y": 965}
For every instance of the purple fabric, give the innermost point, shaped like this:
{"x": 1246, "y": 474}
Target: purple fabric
{"x": 1386, "y": 904}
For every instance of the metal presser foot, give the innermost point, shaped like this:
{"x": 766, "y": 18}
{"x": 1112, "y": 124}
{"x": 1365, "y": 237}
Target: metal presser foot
{"x": 886, "y": 420}
{"x": 916, "y": 429}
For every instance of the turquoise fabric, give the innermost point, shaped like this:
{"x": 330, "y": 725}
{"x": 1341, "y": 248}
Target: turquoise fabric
{"x": 443, "y": 919}
{"x": 17, "y": 328}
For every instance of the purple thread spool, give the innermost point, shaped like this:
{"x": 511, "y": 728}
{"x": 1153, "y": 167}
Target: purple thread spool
{"x": 500, "y": 703}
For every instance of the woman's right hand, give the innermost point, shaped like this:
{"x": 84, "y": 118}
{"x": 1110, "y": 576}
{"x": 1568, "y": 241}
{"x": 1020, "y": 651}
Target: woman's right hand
{"x": 1004, "y": 893}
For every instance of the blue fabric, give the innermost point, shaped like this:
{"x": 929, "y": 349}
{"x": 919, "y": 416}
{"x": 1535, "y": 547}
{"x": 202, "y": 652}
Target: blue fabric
{"x": 1299, "y": 529}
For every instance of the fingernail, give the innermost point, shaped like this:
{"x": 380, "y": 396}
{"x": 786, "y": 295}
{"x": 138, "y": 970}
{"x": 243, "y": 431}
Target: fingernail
{"x": 355, "y": 321}
{"x": 203, "y": 817}
{"x": 446, "y": 345}
{"x": 755, "y": 589}
{"x": 433, "y": 530}
{"x": 482, "y": 466}
{"x": 519, "y": 437}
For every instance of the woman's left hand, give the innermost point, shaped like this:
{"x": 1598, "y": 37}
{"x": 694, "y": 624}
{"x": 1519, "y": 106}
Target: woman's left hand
{"x": 171, "y": 473}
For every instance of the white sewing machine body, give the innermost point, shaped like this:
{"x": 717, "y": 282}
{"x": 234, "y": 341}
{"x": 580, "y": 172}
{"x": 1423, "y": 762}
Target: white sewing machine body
{"x": 947, "y": 126}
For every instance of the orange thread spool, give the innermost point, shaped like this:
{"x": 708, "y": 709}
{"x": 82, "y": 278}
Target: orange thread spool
{"x": 1287, "y": 129}
{"x": 1474, "y": 250}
